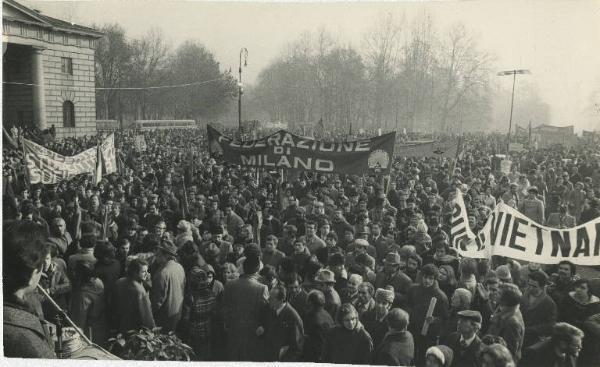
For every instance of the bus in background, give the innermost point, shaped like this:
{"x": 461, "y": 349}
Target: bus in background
{"x": 164, "y": 124}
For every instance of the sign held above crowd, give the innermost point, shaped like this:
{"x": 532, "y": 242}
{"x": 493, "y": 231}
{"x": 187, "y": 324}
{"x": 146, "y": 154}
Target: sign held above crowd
{"x": 509, "y": 233}
{"x": 286, "y": 150}
{"x": 47, "y": 167}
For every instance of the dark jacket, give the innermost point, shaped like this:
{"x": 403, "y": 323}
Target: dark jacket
{"x": 244, "y": 304}
{"x": 24, "y": 335}
{"x": 132, "y": 305}
{"x": 284, "y": 331}
{"x": 376, "y": 328}
{"x": 539, "y": 316}
{"x": 88, "y": 310}
{"x": 401, "y": 283}
{"x": 347, "y": 346}
{"x": 396, "y": 349}
{"x": 509, "y": 325}
{"x": 543, "y": 354}
{"x": 464, "y": 357}
{"x": 317, "y": 325}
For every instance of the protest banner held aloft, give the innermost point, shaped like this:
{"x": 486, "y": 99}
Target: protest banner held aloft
{"x": 284, "y": 149}
{"x": 508, "y": 232}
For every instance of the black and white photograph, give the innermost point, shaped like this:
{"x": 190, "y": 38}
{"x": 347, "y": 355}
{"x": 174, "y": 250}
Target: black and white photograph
{"x": 399, "y": 183}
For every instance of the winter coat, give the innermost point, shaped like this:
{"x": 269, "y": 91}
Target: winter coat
{"x": 24, "y": 333}
{"x": 317, "y": 325}
{"x": 166, "y": 295}
{"x": 539, "y": 316}
{"x": 88, "y": 310}
{"x": 132, "y": 305}
{"x": 419, "y": 298}
{"x": 396, "y": 349}
{"x": 343, "y": 346}
{"x": 244, "y": 303}
{"x": 284, "y": 335}
{"x": 401, "y": 283}
{"x": 510, "y": 326}
{"x": 464, "y": 357}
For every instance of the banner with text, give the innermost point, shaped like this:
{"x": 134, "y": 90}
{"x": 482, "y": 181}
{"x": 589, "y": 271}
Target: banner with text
{"x": 286, "y": 150}
{"x": 509, "y": 233}
{"x": 47, "y": 167}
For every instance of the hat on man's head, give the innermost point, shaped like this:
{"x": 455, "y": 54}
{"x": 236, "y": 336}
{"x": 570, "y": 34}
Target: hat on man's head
{"x": 533, "y": 189}
{"x": 361, "y": 243}
{"x": 392, "y": 258}
{"x": 325, "y": 276}
{"x": 168, "y": 247}
{"x": 470, "y": 315}
{"x": 384, "y": 295}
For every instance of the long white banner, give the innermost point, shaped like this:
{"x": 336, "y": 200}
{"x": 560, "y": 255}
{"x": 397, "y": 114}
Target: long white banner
{"x": 509, "y": 233}
{"x": 48, "y": 167}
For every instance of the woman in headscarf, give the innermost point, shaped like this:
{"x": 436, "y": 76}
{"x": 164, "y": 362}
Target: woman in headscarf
{"x": 200, "y": 309}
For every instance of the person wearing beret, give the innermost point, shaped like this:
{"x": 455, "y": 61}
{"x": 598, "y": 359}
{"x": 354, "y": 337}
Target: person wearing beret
{"x": 464, "y": 342}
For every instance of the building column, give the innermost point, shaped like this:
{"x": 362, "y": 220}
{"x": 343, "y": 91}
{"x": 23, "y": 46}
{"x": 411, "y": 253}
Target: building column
{"x": 39, "y": 96}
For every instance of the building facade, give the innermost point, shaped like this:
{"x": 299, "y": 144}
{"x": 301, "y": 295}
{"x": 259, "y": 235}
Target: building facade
{"x": 48, "y": 72}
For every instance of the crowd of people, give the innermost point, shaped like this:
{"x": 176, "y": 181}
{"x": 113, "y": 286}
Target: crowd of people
{"x": 252, "y": 265}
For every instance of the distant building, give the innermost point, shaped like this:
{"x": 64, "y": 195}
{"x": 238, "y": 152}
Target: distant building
{"x": 48, "y": 72}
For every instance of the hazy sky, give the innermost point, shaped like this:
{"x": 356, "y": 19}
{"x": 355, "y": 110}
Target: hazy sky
{"x": 559, "y": 41}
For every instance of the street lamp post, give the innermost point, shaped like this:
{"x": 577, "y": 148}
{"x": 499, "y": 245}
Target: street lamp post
{"x": 512, "y": 99}
{"x": 243, "y": 54}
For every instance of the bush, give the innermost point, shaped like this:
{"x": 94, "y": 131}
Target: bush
{"x": 150, "y": 345}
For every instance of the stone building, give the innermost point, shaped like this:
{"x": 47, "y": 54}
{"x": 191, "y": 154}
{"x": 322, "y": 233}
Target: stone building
{"x": 48, "y": 72}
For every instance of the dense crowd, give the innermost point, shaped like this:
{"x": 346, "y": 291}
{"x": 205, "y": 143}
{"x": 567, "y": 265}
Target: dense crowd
{"x": 253, "y": 265}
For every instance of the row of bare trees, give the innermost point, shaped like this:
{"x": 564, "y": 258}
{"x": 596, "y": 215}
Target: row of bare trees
{"x": 405, "y": 74}
{"x": 148, "y": 63}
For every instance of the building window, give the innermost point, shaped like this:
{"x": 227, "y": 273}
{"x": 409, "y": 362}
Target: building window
{"x": 67, "y": 65}
{"x": 68, "y": 114}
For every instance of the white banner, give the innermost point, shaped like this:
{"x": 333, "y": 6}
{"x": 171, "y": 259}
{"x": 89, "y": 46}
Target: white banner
{"x": 47, "y": 167}
{"x": 509, "y": 233}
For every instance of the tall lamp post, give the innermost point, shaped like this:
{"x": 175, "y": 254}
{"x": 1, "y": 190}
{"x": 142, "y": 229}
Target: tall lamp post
{"x": 512, "y": 99}
{"x": 244, "y": 55}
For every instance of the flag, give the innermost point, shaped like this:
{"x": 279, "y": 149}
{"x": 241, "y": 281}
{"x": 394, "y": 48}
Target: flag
{"x": 8, "y": 141}
{"x": 98, "y": 169}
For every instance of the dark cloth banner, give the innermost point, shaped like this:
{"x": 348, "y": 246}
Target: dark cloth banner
{"x": 284, "y": 149}
{"x": 509, "y": 233}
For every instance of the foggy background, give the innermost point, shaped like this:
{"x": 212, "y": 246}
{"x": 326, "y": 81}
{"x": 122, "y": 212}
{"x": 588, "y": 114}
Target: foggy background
{"x": 558, "y": 41}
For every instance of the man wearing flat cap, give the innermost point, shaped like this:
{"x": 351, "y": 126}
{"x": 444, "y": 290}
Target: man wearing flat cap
{"x": 464, "y": 342}
{"x": 168, "y": 286}
{"x": 533, "y": 207}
